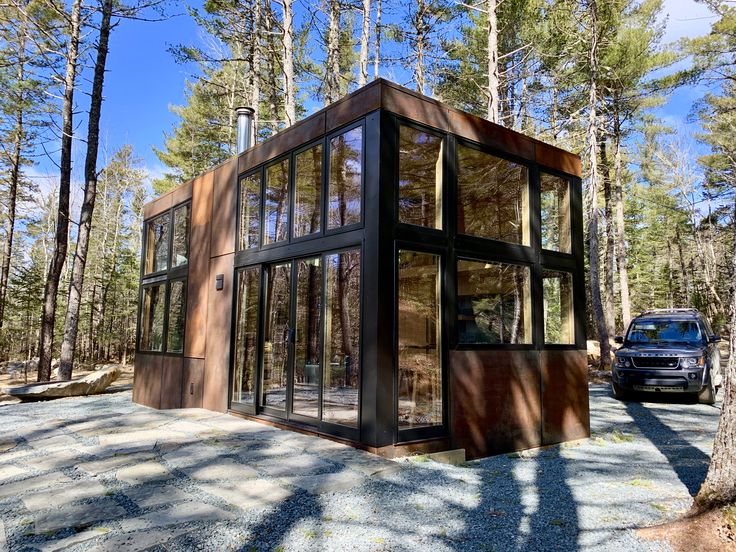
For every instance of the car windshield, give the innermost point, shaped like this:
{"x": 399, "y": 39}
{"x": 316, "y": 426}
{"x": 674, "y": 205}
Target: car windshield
{"x": 658, "y": 331}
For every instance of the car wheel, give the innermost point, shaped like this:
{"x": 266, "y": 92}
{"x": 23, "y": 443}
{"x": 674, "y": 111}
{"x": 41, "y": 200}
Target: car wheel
{"x": 707, "y": 395}
{"x": 618, "y": 392}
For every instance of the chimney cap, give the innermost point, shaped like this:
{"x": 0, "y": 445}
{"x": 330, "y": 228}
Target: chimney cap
{"x": 244, "y": 109}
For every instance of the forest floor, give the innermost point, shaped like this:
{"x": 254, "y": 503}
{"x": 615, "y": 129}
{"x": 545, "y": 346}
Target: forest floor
{"x": 102, "y": 473}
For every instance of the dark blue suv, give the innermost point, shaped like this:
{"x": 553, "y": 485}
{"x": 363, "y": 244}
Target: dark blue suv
{"x": 668, "y": 351}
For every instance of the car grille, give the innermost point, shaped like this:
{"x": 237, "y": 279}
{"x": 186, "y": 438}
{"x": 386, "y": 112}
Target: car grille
{"x": 655, "y": 362}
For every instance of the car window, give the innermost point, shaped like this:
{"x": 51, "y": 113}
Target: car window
{"x": 657, "y": 331}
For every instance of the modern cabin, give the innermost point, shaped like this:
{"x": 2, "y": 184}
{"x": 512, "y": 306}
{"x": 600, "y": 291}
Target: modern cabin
{"x": 390, "y": 272}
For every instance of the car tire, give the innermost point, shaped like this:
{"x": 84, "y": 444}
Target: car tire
{"x": 618, "y": 392}
{"x": 707, "y": 394}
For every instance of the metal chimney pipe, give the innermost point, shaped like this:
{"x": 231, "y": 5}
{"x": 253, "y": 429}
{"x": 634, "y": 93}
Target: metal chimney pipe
{"x": 245, "y": 128}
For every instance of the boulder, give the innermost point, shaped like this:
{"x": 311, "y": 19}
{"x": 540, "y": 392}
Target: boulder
{"x": 91, "y": 384}
{"x": 16, "y": 368}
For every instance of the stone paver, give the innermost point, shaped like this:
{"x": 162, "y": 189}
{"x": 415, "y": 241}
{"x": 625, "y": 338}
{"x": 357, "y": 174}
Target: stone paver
{"x": 55, "y": 442}
{"x": 262, "y": 454}
{"x": 10, "y": 471}
{"x": 327, "y": 483}
{"x": 63, "y": 544}
{"x": 78, "y": 515}
{"x": 31, "y": 484}
{"x": 148, "y": 496}
{"x": 224, "y": 468}
{"x": 139, "y": 438}
{"x": 5, "y": 446}
{"x": 97, "y": 467}
{"x": 141, "y": 540}
{"x": 63, "y": 495}
{"x": 192, "y": 455}
{"x": 303, "y": 464}
{"x": 3, "y": 541}
{"x": 176, "y": 515}
{"x": 247, "y": 494}
{"x": 57, "y": 459}
{"x": 143, "y": 472}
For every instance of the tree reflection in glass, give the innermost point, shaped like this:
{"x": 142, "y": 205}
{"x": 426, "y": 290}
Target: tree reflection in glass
{"x": 152, "y": 318}
{"x": 493, "y": 303}
{"x": 493, "y": 198}
{"x": 420, "y": 178}
{"x": 246, "y": 334}
{"x": 558, "y": 313}
{"x": 277, "y": 202}
{"x": 555, "y": 213}
{"x": 276, "y": 341}
{"x": 157, "y": 244}
{"x": 341, "y": 369}
{"x": 177, "y": 316}
{"x": 420, "y": 369}
{"x": 345, "y": 185}
{"x": 307, "y": 343}
{"x": 180, "y": 238}
{"x": 308, "y": 191}
{"x": 250, "y": 204}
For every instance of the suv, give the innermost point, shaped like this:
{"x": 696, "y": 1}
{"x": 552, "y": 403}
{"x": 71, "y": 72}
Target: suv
{"x": 668, "y": 351}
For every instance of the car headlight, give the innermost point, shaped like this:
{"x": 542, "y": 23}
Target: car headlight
{"x": 691, "y": 362}
{"x": 623, "y": 361}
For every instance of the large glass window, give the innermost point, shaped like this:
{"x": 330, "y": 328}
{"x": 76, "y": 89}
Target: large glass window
{"x": 555, "y": 213}
{"x": 246, "y": 335}
{"x": 420, "y": 367}
{"x": 420, "y": 177}
{"x": 493, "y": 303}
{"x": 177, "y": 316}
{"x": 180, "y": 238}
{"x": 152, "y": 318}
{"x": 308, "y": 191}
{"x": 157, "y": 244}
{"x": 276, "y": 211}
{"x": 308, "y": 342}
{"x": 250, "y": 204}
{"x": 346, "y": 179}
{"x": 493, "y": 197}
{"x": 277, "y": 336}
{"x": 558, "y": 313}
{"x": 341, "y": 373}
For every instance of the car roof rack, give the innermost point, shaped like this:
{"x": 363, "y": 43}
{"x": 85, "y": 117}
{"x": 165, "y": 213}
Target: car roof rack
{"x": 669, "y": 311}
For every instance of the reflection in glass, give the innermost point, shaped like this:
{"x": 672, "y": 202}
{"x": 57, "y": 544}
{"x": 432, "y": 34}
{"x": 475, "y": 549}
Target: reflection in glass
{"x": 157, "y": 244}
{"x": 250, "y": 201}
{"x": 152, "y": 318}
{"x": 277, "y": 202}
{"x": 307, "y": 343}
{"x": 558, "y": 313}
{"x": 308, "y": 191}
{"x": 420, "y": 178}
{"x": 493, "y": 303}
{"x": 492, "y": 197}
{"x": 276, "y": 338}
{"x": 345, "y": 186}
{"x": 180, "y": 241}
{"x": 555, "y": 213}
{"x": 246, "y": 335}
{"x": 420, "y": 368}
{"x": 177, "y": 316}
{"x": 341, "y": 372}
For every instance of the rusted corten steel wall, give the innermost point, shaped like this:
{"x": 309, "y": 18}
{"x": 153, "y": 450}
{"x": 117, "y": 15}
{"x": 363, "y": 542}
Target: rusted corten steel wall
{"x": 498, "y": 400}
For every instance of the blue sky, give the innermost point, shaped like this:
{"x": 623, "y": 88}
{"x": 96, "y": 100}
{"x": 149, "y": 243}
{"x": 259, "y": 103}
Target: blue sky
{"x": 143, "y": 81}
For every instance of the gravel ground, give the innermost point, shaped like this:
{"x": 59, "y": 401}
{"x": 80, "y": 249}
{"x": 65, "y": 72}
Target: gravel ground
{"x": 640, "y": 467}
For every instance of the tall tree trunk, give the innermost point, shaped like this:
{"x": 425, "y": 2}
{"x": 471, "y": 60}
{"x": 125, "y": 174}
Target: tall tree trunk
{"x": 493, "y": 108}
{"x": 719, "y": 487}
{"x": 273, "y": 99}
{"x": 332, "y": 67}
{"x": 683, "y": 268}
{"x": 377, "y": 50}
{"x": 61, "y": 237}
{"x": 289, "y": 86}
{"x": 592, "y": 135}
{"x": 255, "y": 88}
{"x": 71, "y": 324}
{"x": 609, "y": 304}
{"x": 365, "y": 36}
{"x": 420, "y": 46}
{"x": 618, "y": 198}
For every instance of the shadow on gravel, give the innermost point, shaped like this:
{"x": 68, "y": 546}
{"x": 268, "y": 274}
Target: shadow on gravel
{"x": 689, "y": 462}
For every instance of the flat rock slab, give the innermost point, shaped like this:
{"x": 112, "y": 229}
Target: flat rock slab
{"x": 176, "y": 515}
{"x": 138, "y": 541}
{"x": 91, "y": 384}
{"x": 78, "y": 515}
{"x": 63, "y": 544}
{"x": 55, "y": 442}
{"x": 57, "y": 459}
{"x": 63, "y": 495}
{"x": 328, "y": 482}
{"x": 148, "y": 496}
{"x": 143, "y": 472}
{"x": 97, "y": 467}
{"x": 224, "y": 468}
{"x": 5, "y": 446}
{"x": 249, "y": 494}
{"x": 301, "y": 464}
{"x": 193, "y": 455}
{"x": 31, "y": 484}
{"x": 11, "y": 472}
{"x": 258, "y": 455}
{"x": 149, "y": 437}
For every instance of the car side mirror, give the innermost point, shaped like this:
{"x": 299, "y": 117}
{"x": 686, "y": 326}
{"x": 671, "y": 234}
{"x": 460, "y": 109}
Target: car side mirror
{"x": 618, "y": 339}
{"x": 714, "y": 338}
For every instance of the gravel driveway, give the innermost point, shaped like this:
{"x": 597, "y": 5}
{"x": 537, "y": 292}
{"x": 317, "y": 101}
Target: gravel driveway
{"x": 100, "y": 473}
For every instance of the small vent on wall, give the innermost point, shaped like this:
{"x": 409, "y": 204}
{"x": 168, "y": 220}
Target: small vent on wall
{"x": 191, "y": 388}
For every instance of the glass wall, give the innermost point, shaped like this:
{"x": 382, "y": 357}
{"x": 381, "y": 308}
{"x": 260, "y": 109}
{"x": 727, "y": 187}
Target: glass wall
{"x": 341, "y": 375}
{"x": 246, "y": 335}
{"x": 157, "y": 244}
{"x": 250, "y": 204}
{"x": 308, "y": 339}
{"x": 493, "y": 303}
{"x": 558, "y": 311}
{"x": 493, "y": 197}
{"x": 419, "y": 354}
{"x": 180, "y": 238}
{"x": 177, "y": 316}
{"x": 420, "y": 177}
{"x": 346, "y": 179}
{"x": 555, "y": 195}
{"x": 153, "y": 310}
{"x": 277, "y": 336}
{"x": 276, "y": 210}
{"x": 308, "y": 191}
